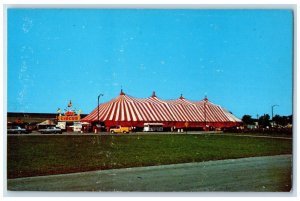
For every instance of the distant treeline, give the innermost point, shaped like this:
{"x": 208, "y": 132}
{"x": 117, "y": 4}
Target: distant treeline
{"x": 265, "y": 121}
{"x": 275, "y": 131}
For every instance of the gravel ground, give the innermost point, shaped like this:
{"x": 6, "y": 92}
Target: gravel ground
{"x": 255, "y": 174}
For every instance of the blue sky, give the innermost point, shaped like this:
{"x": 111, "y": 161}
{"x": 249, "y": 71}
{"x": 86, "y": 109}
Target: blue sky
{"x": 240, "y": 59}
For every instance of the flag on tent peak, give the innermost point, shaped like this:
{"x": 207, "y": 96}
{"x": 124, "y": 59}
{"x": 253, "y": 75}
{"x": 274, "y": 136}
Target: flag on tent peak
{"x": 70, "y": 104}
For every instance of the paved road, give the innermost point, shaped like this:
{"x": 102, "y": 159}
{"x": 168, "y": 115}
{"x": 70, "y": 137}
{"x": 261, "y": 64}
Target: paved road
{"x": 256, "y": 174}
{"x": 218, "y": 133}
{"x": 34, "y": 133}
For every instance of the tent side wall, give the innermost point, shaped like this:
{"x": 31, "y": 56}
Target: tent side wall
{"x": 169, "y": 125}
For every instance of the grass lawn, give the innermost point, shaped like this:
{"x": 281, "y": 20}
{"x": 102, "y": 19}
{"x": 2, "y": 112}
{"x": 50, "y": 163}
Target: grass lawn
{"x": 44, "y": 155}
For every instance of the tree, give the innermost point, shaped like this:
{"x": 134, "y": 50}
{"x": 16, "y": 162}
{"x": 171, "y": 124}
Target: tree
{"x": 283, "y": 120}
{"x": 278, "y": 119}
{"x": 290, "y": 119}
{"x": 264, "y": 121}
{"x": 247, "y": 119}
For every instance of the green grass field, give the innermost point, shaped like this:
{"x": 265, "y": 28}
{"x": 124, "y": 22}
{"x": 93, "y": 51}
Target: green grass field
{"x": 44, "y": 155}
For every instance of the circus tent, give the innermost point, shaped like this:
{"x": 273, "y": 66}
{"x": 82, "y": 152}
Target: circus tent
{"x": 126, "y": 110}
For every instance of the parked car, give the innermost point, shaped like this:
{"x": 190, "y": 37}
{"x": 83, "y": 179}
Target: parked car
{"x": 120, "y": 129}
{"x": 17, "y": 130}
{"x": 51, "y": 129}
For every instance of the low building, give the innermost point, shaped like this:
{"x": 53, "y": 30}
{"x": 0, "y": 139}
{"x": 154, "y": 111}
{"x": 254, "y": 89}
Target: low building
{"x": 31, "y": 119}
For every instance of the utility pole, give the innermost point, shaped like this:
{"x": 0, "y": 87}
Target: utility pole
{"x": 98, "y": 107}
{"x": 272, "y": 112}
{"x": 205, "y": 101}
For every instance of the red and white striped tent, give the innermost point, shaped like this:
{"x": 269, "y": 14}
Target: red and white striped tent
{"x": 126, "y": 110}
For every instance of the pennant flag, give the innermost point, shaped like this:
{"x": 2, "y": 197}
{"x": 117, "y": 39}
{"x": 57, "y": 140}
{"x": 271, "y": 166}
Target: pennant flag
{"x": 70, "y": 104}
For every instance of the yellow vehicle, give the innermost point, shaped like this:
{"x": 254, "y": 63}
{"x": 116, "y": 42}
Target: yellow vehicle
{"x": 120, "y": 129}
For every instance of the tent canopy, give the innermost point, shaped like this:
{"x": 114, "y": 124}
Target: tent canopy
{"x": 128, "y": 109}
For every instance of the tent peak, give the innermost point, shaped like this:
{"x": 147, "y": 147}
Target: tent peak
{"x": 153, "y": 94}
{"x": 181, "y": 97}
{"x": 122, "y": 93}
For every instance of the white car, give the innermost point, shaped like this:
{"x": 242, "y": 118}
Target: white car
{"x": 17, "y": 129}
{"x": 51, "y": 129}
